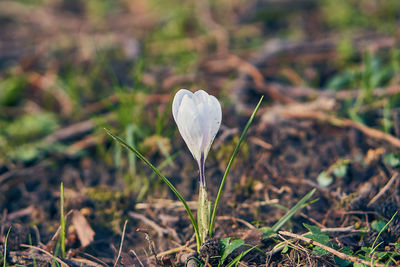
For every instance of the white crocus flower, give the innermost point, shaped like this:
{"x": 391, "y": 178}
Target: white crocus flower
{"x": 198, "y": 116}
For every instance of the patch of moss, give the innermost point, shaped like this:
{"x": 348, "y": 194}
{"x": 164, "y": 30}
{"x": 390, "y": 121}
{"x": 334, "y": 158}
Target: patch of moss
{"x": 245, "y": 190}
{"x": 224, "y": 153}
{"x": 103, "y": 194}
{"x": 109, "y": 206}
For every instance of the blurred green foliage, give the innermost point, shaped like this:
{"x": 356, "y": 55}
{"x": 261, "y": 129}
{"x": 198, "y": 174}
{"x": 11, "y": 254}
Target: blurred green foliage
{"x": 29, "y": 127}
{"x": 376, "y": 70}
{"x": 11, "y": 90}
{"x": 349, "y": 15}
{"x": 22, "y": 139}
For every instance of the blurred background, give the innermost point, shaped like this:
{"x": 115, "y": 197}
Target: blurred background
{"x": 69, "y": 68}
{"x": 100, "y": 61}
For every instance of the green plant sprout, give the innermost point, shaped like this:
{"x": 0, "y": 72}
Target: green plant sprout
{"x": 164, "y": 179}
{"x": 236, "y": 260}
{"x": 199, "y": 142}
{"x": 62, "y": 221}
{"x": 54, "y": 261}
{"x": 5, "y": 248}
{"x": 228, "y": 246}
{"x": 198, "y": 117}
{"x": 269, "y": 231}
{"x": 32, "y": 252}
{"x": 373, "y": 247}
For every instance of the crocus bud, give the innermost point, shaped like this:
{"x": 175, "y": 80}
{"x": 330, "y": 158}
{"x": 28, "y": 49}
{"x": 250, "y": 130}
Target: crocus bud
{"x": 198, "y": 116}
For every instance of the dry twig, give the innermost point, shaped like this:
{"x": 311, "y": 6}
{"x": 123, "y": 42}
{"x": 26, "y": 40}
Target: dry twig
{"x": 175, "y": 250}
{"x": 160, "y": 231}
{"x": 122, "y": 242}
{"x": 134, "y": 253}
{"x": 53, "y": 241}
{"x": 63, "y": 264}
{"x": 151, "y": 244}
{"x": 330, "y": 250}
{"x": 236, "y": 220}
{"x": 165, "y": 203}
{"x": 371, "y": 132}
{"x": 25, "y": 172}
{"x": 20, "y": 213}
{"x": 384, "y": 189}
{"x": 348, "y": 229}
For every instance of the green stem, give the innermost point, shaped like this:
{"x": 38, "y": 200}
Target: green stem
{"x": 246, "y": 128}
{"x": 203, "y": 213}
{"x": 62, "y": 220}
{"x": 173, "y": 189}
{"x": 5, "y": 248}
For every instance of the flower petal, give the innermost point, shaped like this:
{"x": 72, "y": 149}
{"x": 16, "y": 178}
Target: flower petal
{"x": 200, "y": 96}
{"x": 214, "y": 117}
{"x": 176, "y": 103}
{"x": 198, "y": 116}
{"x": 190, "y": 126}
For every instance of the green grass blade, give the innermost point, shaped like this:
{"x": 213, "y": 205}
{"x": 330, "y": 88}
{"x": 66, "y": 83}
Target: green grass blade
{"x": 373, "y": 247}
{"x": 32, "y": 253}
{"x": 292, "y": 211}
{"x": 54, "y": 262}
{"x": 62, "y": 221}
{"x": 239, "y": 257}
{"x": 130, "y": 139}
{"x": 246, "y": 128}
{"x": 156, "y": 171}
{"x": 5, "y": 248}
